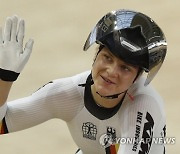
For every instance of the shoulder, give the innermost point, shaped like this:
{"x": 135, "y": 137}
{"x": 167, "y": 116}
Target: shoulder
{"x": 81, "y": 77}
{"x": 145, "y": 95}
{"x": 146, "y": 102}
{"x": 65, "y": 86}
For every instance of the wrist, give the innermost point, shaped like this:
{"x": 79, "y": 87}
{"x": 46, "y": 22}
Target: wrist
{"x": 7, "y": 75}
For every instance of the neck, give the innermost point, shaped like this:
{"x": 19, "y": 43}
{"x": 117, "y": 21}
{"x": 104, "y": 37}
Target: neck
{"x": 104, "y": 102}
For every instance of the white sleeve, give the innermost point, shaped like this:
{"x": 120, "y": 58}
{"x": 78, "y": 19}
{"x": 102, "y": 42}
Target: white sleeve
{"x": 142, "y": 120}
{"x": 29, "y": 111}
{"x": 3, "y": 110}
{"x": 56, "y": 99}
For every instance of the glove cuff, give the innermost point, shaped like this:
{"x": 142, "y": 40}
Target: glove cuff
{"x": 7, "y": 75}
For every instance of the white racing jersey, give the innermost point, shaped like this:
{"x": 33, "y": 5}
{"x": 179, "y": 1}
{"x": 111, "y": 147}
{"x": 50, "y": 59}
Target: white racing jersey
{"x": 135, "y": 126}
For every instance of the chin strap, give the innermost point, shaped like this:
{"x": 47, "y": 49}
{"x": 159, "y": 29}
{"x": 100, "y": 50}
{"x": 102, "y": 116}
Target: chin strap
{"x": 117, "y": 95}
{"x": 112, "y": 96}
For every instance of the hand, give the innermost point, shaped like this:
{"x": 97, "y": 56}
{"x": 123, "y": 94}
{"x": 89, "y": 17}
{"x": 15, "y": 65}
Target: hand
{"x": 12, "y": 55}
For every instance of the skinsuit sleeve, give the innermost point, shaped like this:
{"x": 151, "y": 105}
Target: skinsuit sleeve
{"x": 57, "y": 99}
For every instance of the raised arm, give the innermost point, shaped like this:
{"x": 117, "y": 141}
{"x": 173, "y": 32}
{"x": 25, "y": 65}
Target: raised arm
{"x": 13, "y": 56}
{"x": 4, "y": 91}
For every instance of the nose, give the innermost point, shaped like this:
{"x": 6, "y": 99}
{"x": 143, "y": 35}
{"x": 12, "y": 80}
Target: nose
{"x": 113, "y": 70}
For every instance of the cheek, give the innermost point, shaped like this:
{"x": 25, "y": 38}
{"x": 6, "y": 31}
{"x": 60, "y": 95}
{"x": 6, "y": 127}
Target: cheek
{"x": 129, "y": 80}
{"x": 96, "y": 67}
{"x": 94, "y": 70}
{"x": 97, "y": 70}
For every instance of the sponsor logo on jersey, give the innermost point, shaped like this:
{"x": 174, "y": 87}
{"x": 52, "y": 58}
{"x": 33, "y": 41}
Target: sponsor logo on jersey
{"x": 147, "y": 135}
{"x": 138, "y": 130}
{"x": 89, "y": 130}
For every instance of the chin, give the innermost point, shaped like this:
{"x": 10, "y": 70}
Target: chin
{"x": 103, "y": 91}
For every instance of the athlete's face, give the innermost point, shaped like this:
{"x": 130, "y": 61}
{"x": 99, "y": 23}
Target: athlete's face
{"x": 111, "y": 75}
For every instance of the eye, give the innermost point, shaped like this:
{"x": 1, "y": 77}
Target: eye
{"x": 125, "y": 68}
{"x": 107, "y": 57}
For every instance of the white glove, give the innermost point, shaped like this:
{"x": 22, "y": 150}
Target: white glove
{"x": 12, "y": 55}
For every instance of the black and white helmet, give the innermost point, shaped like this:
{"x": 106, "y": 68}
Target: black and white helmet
{"x": 133, "y": 37}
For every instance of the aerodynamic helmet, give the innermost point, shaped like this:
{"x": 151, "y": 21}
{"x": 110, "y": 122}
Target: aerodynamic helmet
{"x": 133, "y": 37}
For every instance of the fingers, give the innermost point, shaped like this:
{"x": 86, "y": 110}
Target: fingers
{"x": 27, "y": 52}
{"x": 14, "y": 29}
{"x": 28, "y": 47}
{"x": 21, "y": 29}
{"x": 7, "y": 29}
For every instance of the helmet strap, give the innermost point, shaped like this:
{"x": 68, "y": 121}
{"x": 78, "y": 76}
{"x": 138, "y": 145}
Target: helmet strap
{"x": 112, "y": 96}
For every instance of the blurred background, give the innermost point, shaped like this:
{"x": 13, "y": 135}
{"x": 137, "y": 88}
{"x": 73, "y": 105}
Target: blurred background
{"x": 60, "y": 28}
